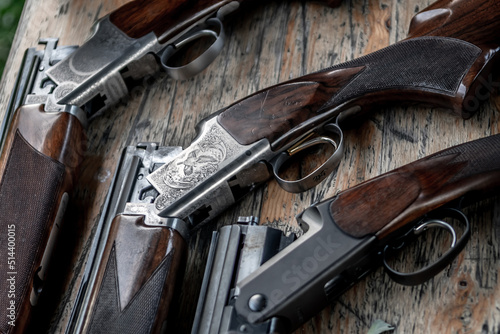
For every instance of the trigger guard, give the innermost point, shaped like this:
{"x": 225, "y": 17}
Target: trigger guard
{"x": 320, "y": 173}
{"x": 201, "y": 62}
{"x": 422, "y": 275}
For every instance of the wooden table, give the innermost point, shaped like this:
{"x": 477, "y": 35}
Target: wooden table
{"x": 269, "y": 44}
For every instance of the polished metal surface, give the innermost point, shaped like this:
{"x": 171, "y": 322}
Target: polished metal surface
{"x": 236, "y": 251}
{"x": 94, "y": 69}
{"x": 198, "y": 178}
{"x": 98, "y": 69}
{"x": 320, "y": 173}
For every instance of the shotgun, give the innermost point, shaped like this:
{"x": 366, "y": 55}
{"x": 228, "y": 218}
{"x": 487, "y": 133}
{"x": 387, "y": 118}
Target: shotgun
{"x": 161, "y": 193}
{"x": 58, "y": 91}
{"x": 259, "y": 281}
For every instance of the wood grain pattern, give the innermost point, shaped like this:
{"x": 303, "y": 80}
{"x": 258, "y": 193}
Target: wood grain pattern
{"x": 168, "y": 18}
{"x": 137, "y": 278}
{"x": 49, "y": 134}
{"x": 164, "y": 18}
{"x": 471, "y": 170}
{"x": 36, "y": 145}
{"x": 276, "y": 112}
{"x": 267, "y": 44}
{"x": 450, "y": 18}
{"x": 421, "y": 70}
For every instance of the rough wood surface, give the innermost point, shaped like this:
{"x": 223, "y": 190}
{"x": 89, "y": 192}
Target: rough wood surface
{"x": 266, "y": 45}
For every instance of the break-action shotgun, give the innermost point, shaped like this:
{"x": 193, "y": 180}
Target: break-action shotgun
{"x": 58, "y": 90}
{"x": 160, "y": 193}
{"x": 259, "y": 281}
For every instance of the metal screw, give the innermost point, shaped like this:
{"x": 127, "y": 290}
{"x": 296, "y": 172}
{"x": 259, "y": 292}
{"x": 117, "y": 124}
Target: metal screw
{"x": 257, "y": 302}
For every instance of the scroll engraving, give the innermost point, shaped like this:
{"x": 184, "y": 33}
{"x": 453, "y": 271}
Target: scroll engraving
{"x": 197, "y": 163}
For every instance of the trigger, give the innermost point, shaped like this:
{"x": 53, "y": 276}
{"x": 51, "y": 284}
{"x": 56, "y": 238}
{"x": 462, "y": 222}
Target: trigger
{"x": 320, "y": 173}
{"x": 422, "y": 275}
{"x": 208, "y": 29}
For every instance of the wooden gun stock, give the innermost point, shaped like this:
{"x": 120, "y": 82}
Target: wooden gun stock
{"x": 136, "y": 278}
{"x": 37, "y": 169}
{"x": 345, "y": 236}
{"x": 418, "y": 188}
{"x": 445, "y": 61}
{"x": 42, "y": 150}
{"x": 168, "y": 18}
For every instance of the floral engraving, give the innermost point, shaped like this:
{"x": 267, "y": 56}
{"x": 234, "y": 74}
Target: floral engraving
{"x": 197, "y": 166}
{"x": 197, "y": 163}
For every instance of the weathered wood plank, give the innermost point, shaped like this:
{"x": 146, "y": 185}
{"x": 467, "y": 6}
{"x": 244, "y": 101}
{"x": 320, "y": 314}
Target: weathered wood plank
{"x": 268, "y": 44}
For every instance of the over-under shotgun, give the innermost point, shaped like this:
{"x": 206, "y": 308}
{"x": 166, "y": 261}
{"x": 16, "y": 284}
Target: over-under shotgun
{"x": 258, "y": 281}
{"x": 160, "y": 193}
{"x": 42, "y": 136}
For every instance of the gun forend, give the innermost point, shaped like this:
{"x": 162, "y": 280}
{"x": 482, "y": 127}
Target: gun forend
{"x": 344, "y": 239}
{"x": 136, "y": 278}
{"x": 42, "y": 137}
{"x": 136, "y": 257}
{"x": 35, "y": 146}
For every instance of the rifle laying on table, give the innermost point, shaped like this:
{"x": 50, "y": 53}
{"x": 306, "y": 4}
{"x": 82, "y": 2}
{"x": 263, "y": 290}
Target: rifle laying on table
{"x": 259, "y": 281}
{"x": 160, "y": 193}
{"x": 58, "y": 90}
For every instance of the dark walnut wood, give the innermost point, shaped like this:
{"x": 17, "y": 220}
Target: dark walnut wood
{"x": 298, "y": 38}
{"x": 168, "y": 18}
{"x": 164, "y": 18}
{"x": 136, "y": 278}
{"x": 473, "y": 21}
{"x": 37, "y": 168}
{"x": 59, "y": 136}
{"x": 476, "y": 22}
{"x": 418, "y": 188}
{"x": 277, "y": 111}
{"x": 429, "y": 68}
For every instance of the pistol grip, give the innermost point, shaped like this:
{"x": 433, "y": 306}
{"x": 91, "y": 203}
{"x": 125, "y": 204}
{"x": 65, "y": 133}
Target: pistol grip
{"x": 136, "y": 278}
{"x": 37, "y": 169}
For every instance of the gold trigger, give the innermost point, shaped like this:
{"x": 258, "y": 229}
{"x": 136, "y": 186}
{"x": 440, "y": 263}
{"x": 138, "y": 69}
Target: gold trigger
{"x": 320, "y": 173}
{"x": 305, "y": 143}
{"x": 292, "y": 150}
